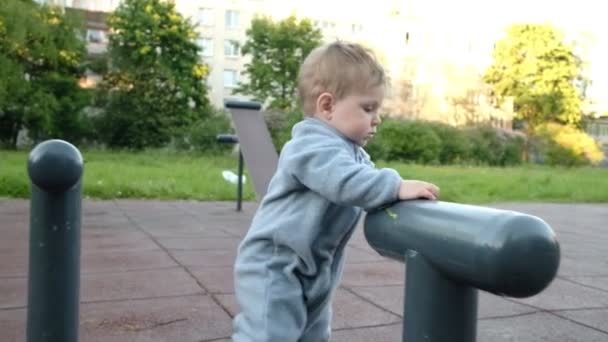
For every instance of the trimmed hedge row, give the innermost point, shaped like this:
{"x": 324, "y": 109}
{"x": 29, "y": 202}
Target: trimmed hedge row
{"x": 424, "y": 142}
{"x": 435, "y": 143}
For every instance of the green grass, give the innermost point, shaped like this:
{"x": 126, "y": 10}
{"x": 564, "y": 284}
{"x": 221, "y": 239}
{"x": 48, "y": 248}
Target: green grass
{"x": 530, "y": 183}
{"x": 164, "y": 175}
{"x": 155, "y": 174}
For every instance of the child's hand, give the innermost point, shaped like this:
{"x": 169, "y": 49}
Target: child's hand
{"x": 412, "y": 189}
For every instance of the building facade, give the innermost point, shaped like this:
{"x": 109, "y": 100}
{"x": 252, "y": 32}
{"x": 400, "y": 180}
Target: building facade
{"x": 435, "y": 51}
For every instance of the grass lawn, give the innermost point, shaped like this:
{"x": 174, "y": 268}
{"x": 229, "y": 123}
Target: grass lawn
{"x": 164, "y": 175}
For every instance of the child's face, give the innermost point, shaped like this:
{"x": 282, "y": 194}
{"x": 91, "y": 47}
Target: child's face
{"x": 356, "y": 115}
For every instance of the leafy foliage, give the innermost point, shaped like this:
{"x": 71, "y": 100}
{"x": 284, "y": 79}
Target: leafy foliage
{"x": 535, "y": 67}
{"x": 565, "y": 145}
{"x": 201, "y": 136}
{"x": 280, "y": 125}
{"x": 494, "y": 147}
{"x": 455, "y": 145}
{"x": 40, "y": 58}
{"x": 276, "y": 50}
{"x": 155, "y": 87}
{"x": 408, "y": 141}
{"x": 432, "y": 143}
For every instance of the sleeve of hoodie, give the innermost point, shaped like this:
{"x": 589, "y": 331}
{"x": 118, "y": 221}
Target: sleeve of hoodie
{"x": 330, "y": 170}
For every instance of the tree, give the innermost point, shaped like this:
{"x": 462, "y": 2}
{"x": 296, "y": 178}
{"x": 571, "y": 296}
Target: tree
{"x": 540, "y": 72}
{"x": 155, "y": 87}
{"x": 276, "y": 50}
{"x": 40, "y": 57}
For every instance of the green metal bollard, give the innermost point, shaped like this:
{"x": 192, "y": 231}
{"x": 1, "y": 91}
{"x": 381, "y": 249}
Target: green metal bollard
{"x": 451, "y": 250}
{"x": 55, "y": 168}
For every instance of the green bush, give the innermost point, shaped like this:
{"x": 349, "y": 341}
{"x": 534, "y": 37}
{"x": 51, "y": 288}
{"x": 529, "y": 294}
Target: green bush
{"x": 430, "y": 143}
{"x": 495, "y": 147}
{"x": 515, "y": 145}
{"x": 455, "y": 145}
{"x": 280, "y": 124}
{"x": 566, "y": 145}
{"x": 202, "y": 135}
{"x": 408, "y": 141}
{"x": 70, "y": 122}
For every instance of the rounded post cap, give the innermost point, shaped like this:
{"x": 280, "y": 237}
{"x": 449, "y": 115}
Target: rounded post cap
{"x": 55, "y": 165}
{"x": 528, "y": 258}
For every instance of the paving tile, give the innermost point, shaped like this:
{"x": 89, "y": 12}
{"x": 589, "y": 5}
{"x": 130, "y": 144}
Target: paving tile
{"x": 596, "y": 318}
{"x": 597, "y": 282}
{"x": 390, "y": 333}
{"x": 13, "y": 265}
{"x": 199, "y": 243}
{"x": 13, "y": 325}
{"x": 563, "y": 294}
{"x": 489, "y": 305}
{"x": 13, "y": 292}
{"x": 357, "y": 255}
{"x": 189, "y": 231}
{"x": 120, "y": 261}
{"x": 580, "y": 266}
{"x": 112, "y": 286}
{"x": 374, "y": 274}
{"x": 205, "y": 258}
{"x": 228, "y": 301}
{"x": 536, "y": 327}
{"x": 349, "y": 311}
{"x": 190, "y": 318}
{"x": 215, "y": 279}
{"x": 138, "y": 284}
{"x": 117, "y": 242}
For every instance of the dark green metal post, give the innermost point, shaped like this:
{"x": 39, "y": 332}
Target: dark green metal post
{"x": 437, "y": 308}
{"x": 239, "y": 195}
{"x": 452, "y": 250}
{"x": 233, "y": 139}
{"x": 55, "y": 168}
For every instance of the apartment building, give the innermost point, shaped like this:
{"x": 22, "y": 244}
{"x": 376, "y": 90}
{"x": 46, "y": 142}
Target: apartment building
{"x": 221, "y": 29}
{"x": 435, "y": 51}
{"x": 410, "y": 46}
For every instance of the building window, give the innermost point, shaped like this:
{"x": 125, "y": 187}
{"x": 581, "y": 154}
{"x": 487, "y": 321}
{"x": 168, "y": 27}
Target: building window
{"x": 230, "y": 78}
{"x": 326, "y": 24}
{"x": 96, "y": 36}
{"x": 206, "y": 17}
{"x": 231, "y": 48}
{"x": 206, "y": 45}
{"x": 356, "y": 28}
{"x": 232, "y": 19}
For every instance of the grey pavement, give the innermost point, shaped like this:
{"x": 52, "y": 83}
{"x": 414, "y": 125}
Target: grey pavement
{"x": 162, "y": 271}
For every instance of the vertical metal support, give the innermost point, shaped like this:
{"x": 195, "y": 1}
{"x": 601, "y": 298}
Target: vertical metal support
{"x": 239, "y": 195}
{"x": 437, "y": 309}
{"x": 55, "y": 168}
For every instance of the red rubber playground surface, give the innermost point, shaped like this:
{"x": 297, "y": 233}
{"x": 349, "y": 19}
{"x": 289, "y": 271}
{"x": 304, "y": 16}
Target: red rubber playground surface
{"x": 162, "y": 271}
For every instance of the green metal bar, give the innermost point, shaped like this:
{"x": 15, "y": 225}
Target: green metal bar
{"x": 451, "y": 250}
{"x": 498, "y": 251}
{"x": 239, "y": 191}
{"x": 55, "y": 168}
{"x": 437, "y": 309}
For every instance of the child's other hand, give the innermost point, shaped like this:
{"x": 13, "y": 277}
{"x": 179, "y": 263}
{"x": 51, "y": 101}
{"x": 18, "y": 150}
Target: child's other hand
{"x": 412, "y": 189}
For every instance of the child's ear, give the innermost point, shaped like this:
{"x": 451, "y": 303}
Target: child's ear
{"x": 325, "y": 103}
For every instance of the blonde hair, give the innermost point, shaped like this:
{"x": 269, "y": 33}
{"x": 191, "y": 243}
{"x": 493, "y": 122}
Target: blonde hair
{"x": 340, "y": 69}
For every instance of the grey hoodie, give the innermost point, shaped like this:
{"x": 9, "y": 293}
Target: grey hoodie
{"x": 311, "y": 208}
